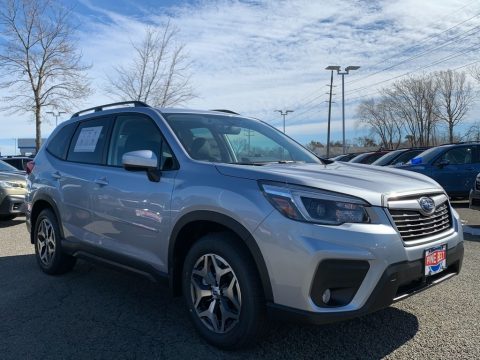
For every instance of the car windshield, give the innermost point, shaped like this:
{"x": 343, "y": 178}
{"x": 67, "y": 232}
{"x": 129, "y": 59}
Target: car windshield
{"x": 6, "y": 167}
{"x": 387, "y": 158}
{"x": 405, "y": 157}
{"x": 235, "y": 140}
{"x": 427, "y": 156}
{"x": 359, "y": 158}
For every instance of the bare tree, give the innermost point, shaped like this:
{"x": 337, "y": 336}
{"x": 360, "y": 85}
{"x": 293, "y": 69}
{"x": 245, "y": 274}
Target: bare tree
{"x": 474, "y": 71}
{"x": 379, "y": 118}
{"x": 39, "y": 63}
{"x": 158, "y": 73}
{"x": 413, "y": 103}
{"x": 473, "y": 132}
{"x": 455, "y": 96}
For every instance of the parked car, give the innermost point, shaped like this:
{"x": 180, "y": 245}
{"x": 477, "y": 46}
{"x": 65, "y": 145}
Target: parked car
{"x": 345, "y": 157}
{"x": 474, "y": 198}
{"x": 368, "y": 157}
{"x": 398, "y": 157}
{"x": 12, "y": 191}
{"x": 453, "y": 166}
{"x": 236, "y": 226}
{"x": 20, "y": 162}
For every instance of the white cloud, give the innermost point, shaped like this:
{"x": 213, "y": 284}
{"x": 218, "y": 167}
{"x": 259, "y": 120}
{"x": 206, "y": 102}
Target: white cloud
{"x": 258, "y": 56}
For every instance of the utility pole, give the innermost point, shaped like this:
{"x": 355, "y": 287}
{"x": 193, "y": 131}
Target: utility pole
{"x": 284, "y": 113}
{"x": 346, "y": 72}
{"x": 57, "y": 115}
{"x": 332, "y": 69}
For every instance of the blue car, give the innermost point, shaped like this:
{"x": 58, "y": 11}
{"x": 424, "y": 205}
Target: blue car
{"x": 453, "y": 166}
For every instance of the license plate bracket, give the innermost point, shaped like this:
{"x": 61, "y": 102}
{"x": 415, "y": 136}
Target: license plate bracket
{"x": 435, "y": 260}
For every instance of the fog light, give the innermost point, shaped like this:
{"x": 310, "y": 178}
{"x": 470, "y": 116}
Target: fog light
{"x": 326, "y": 296}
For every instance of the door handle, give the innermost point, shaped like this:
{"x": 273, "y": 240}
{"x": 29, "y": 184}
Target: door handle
{"x": 101, "y": 181}
{"x": 57, "y": 175}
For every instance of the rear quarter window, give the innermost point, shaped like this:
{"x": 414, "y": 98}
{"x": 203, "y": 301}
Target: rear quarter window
{"x": 58, "y": 145}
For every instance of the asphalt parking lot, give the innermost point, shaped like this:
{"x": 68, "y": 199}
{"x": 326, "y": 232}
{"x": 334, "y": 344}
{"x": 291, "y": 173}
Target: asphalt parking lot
{"x": 98, "y": 313}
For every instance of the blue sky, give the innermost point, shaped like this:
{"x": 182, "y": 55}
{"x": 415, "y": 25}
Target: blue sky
{"x": 258, "y": 56}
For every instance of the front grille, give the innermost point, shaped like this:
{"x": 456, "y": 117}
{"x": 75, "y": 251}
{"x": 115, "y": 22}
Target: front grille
{"x": 477, "y": 184}
{"x": 412, "y": 225}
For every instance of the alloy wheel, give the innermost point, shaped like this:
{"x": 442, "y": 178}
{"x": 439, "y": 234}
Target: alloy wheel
{"x": 215, "y": 293}
{"x": 46, "y": 242}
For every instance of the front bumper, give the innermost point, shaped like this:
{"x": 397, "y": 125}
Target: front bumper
{"x": 474, "y": 199}
{"x": 12, "y": 205}
{"x": 398, "y": 282}
{"x": 358, "y": 257}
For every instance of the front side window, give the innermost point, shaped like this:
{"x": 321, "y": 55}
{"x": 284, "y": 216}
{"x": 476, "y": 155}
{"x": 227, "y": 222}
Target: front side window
{"x": 231, "y": 139}
{"x": 134, "y": 132}
{"x": 458, "y": 156}
{"x": 89, "y": 142}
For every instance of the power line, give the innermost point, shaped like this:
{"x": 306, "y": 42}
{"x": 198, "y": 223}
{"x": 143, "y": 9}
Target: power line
{"x": 426, "y": 52}
{"x": 412, "y": 48}
{"x": 449, "y": 57}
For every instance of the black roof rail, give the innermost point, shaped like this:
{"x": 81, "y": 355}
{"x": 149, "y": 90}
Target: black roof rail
{"x": 226, "y": 111}
{"x": 102, "y": 107}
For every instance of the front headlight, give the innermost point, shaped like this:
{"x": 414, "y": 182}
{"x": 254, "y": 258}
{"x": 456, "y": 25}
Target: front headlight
{"x": 9, "y": 184}
{"x": 317, "y": 206}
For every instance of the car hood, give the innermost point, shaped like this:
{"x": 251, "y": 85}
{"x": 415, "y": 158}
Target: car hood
{"x": 368, "y": 182}
{"x": 12, "y": 176}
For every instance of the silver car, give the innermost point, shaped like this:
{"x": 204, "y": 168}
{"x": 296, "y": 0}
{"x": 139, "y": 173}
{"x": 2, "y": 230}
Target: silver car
{"x": 237, "y": 217}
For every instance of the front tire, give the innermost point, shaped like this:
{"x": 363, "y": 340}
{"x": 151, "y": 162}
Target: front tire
{"x": 223, "y": 293}
{"x": 48, "y": 247}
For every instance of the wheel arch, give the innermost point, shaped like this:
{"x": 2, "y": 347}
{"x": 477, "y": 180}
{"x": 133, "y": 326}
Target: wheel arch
{"x": 40, "y": 203}
{"x": 201, "y": 222}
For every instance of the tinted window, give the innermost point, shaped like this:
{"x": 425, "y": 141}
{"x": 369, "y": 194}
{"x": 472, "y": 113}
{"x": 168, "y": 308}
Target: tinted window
{"x": 58, "y": 145}
{"x": 137, "y": 132}
{"x": 88, "y": 143}
{"x": 458, "y": 156}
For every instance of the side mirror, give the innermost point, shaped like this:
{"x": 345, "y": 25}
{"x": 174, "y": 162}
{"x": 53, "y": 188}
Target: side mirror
{"x": 442, "y": 163}
{"x": 142, "y": 160}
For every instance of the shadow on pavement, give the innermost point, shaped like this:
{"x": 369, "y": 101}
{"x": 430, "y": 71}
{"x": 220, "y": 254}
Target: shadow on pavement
{"x": 460, "y": 204}
{"x": 95, "y": 312}
{"x": 8, "y": 223}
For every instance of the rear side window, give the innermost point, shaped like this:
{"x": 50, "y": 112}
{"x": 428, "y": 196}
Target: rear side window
{"x": 58, "y": 145}
{"x": 89, "y": 142}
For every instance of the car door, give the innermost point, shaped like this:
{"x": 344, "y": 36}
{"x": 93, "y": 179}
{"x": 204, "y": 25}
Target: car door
{"x": 455, "y": 169}
{"x": 132, "y": 212}
{"x": 76, "y": 176}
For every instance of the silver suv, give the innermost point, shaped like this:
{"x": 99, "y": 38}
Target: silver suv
{"x": 237, "y": 217}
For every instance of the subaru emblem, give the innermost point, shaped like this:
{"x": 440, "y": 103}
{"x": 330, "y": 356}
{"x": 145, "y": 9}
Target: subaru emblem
{"x": 427, "y": 205}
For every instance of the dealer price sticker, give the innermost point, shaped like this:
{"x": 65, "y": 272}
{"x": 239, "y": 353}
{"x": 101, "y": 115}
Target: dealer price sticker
{"x": 435, "y": 260}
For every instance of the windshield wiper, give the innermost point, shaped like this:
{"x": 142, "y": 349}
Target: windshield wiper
{"x": 249, "y": 163}
{"x": 262, "y": 163}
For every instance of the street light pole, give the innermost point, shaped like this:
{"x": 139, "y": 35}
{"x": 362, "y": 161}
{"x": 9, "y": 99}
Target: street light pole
{"x": 284, "y": 113}
{"x": 332, "y": 69}
{"x": 346, "y": 72}
{"x": 57, "y": 115}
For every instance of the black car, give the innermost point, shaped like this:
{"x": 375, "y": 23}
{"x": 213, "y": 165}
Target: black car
{"x": 369, "y": 157}
{"x": 398, "y": 157}
{"x": 20, "y": 162}
{"x": 474, "y": 198}
{"x": 345, "y": 157}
